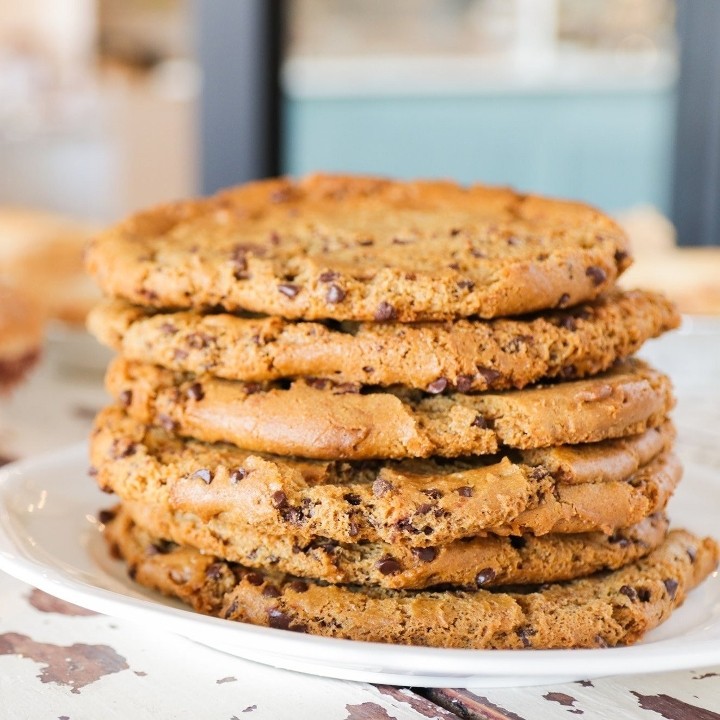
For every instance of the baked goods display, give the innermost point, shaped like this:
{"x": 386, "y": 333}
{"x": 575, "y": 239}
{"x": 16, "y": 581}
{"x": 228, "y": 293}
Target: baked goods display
{"x": 390, "y": 411}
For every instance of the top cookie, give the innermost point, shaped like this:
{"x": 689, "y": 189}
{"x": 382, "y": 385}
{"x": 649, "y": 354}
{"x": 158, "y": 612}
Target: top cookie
{"x": 361, "y": 248}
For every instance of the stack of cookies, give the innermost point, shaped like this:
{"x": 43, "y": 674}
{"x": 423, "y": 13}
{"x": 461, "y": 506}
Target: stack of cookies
{"x": 397, "y": 412}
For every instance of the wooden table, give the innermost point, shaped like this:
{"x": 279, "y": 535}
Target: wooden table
{"x": 60, "y": 662}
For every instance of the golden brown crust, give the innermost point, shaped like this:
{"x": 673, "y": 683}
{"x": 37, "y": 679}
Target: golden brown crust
{"x": 472, "y": 562}
{"x": 317, "y": 418}
{"x": 358, "y": 248}
{"x": 470, "y": 355}
{"x": 604, "y": 610}
{"x": 418, "y": 503}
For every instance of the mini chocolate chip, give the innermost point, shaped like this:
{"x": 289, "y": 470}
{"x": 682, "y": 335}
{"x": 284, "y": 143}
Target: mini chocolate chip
{"x": 644, "y": 594}
{"x": 437, "y": 386}
{"x": 568, "y": 322}
{"x": 401, "y": 241}
{"x": 198, "y": 340}
{"x": 454, "y": 232}
{"x": 382, "y": 487}
{"x": 563, "y": 300}
{"x": 132, "y": 572}
{"x": 237, "y": 475}
{"x": 518, "y": 542}
{"x": 298, "y": 586}
{"x": 368, "y": 369}
{"x": 465, "y": 284}
{"x": 691, "y": 554}
{"x": 465, "y": 491}
{"x": 620, "y": 256}
{"x": 214, "y": 571}
{"x": 426, "y": 554}
{"x": 485, "y": 576}
{"x": 335, "y": 294}
{"x": 271, "y": 591}
{"x": 475, "y": 252}
{"x": 432, "y": 493}
{"x": 122, "y": 448}
{"x": 278, "y": 499}
{"x": 328, "y": 276}
{"x": 125, "y": 398}
{"x": 255, "y": 579}
{"x": 568, "y": 371}
{"x": 424, "y": 509}
{"x": 168, "y": 328}
{"x": 196, "y": 392}
{"x": 289, "y": 289}
{"x": 671, "y": 586}
{"x": 352, "y": 498}
{"x": 293, "y": 515}
{"x": 278, "y": 619}
{"x": 464, "y": 383}
{"x": 365, "y": 242}
{"x": 385, "y": 312}
{"x": 525, "y": 633}
{"x": 596, "y": 274}
{"x": 489, "y": 375}
{"x": 629, "y": 592}
{"x": 316, "y": 383}
{"x": 204, "y": 474}
{"x": 167, "y": 423}
{"x": 353, "y": 529}
{"x": 388, "y": 566}
{"x": 231, "y": 609}
{"x": 106, "y": 516}
{"x": 479, "y": 422}
{"x": 454, "y": 266}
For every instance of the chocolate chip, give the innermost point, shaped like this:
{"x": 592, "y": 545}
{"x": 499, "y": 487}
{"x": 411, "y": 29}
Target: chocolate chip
{"x": 479, "y": 422}
{"x": 352, "y": 498}
{"x": 237, "y": 475}
{"x": 255, "y": 579}
{"x": 563, "y": 300}
{"x": 454, "y": 266}
{"x": 618, "y": 539}
{"x": 568, "y": 372}
{"x": 382, "y": 487}
{"x": 365, "y": 242}
{"x": 525, "y": 633}
{"x": 278, "y": 619}
{"x": 368, "y": 369}
{"x": 489, "y": 375}
{"x": 424, "y": 509}
{"x": 278, "y": 499}
{"x": 437, "y": 386}
{"x": 426, "y": 554}
{"x": 292, "y": 515}
{"x": 475, "y": 252}
{"x": 691, "y": 554}
{"x": 271, "y": 591}
{"x": 465, "y": 491}
{"x": 432, "y": 493}
{"x": 168, "y": 328}
{"x": 106, "y": 516}
{"x": 132, "y": 572}
{"x": 518, "y": 542}
{"x": 92, "y": 471}
{"x": 214, "y": 571}
{"x": 596, "y": 274}
{"x": 204, "y": 474}
{"x": 125, "y": 398}
{"x": 289, "y": 289}
{"x": 385, "y": 312}
{"x": 251, "y": 388}
{"x": 335, "y": 294}
{"x": 328, "y": 276}
{"x": 231, "y": 609}
{"x": 485, "y": 576}
{"x": 353, "y": 529}
{"x": 629, "y": 592}
{"x": 122, "y": 448}
{"x": 196, "y": 392}
{"x": 568, "y": 322}
{"x": 671, "y": 586}
{"x": 198, "y": 340}
{"x": 644, "y": 594}
{"x": 166, "y": 422}
{"x": 454, "y": 232}
{"x": 298, "y": 586}
{"x": 465, "y": 284}
{"x": 620, "y": 257}
{"x": 388, "y": 566}
{"x": 316, "y": 383}
{"x": 274, "y": 238}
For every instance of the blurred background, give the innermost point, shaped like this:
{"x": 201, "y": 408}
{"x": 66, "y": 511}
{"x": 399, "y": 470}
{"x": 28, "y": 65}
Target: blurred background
{"x": 107, "y": 106}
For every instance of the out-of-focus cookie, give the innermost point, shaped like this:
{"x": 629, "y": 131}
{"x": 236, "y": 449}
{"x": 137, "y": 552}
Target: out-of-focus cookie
{"x": 21, "y": 335}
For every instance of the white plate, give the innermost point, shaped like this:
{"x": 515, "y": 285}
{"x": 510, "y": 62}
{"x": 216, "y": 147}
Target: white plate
{"x": 49, "y": 538}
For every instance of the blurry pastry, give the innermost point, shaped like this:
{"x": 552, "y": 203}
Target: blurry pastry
{"x": 21, "y": 334}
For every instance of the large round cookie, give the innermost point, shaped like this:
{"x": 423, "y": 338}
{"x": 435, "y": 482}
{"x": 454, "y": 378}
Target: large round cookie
{"x": 596, "y": 487}
{"x": 359, "y": 248}
{"x": 486, "y": 561}
{"x": 468, "y": 355}
{"x": 318, "y": 418}
{"x": 600, "y": 611}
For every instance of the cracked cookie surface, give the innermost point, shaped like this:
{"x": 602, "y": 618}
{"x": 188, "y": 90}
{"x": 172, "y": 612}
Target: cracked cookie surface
{"x": 362, "y": 248}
